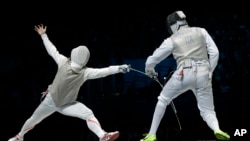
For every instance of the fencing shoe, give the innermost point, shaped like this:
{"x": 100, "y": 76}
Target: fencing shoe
{"x": 16, "y": 138}
{"x": 220, "y": 135}
{"x": 110, "y": 136}
{"x": 149, "y": 138}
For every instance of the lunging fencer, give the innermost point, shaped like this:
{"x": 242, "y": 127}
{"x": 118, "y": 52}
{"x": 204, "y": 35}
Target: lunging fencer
{"x": 196, "y": 55}
{"x": 62, "y": 93}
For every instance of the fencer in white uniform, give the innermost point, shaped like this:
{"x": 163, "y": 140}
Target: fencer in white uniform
{"x": 62, "y": 93}
{"x": 196, "y": 55}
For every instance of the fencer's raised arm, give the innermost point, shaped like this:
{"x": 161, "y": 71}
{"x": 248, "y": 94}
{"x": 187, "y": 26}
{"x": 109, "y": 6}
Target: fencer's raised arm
{"x": 40, "y": 29}
{"x": 50, "y": 47}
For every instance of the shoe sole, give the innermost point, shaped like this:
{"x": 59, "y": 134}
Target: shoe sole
{"x": 114, "y": 136}
{"x": 221, "y": 137}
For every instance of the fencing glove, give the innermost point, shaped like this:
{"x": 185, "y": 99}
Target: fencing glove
{"x": 124, "y": 68}
{"x": 151, "y": 72}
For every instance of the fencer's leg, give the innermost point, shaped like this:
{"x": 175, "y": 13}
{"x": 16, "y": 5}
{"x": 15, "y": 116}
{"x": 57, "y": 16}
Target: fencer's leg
{"x": 169, "y": 92}
{"x": 45, "y": 109}
{"x": 204, "y": 96}
{"x": 158, "y": 113}
{"x": 94, "y": 126}
{"x": 79, "y": 110}
{"x": 205, "y": 102}
{"x": 206, "y": 107}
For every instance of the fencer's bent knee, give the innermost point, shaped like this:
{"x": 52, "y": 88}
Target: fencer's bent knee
{"x": 163, "y": 100}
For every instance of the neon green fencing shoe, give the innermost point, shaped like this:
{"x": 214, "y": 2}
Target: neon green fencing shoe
{"x": 220, "y": 135}
{"x": 149, "y": 138}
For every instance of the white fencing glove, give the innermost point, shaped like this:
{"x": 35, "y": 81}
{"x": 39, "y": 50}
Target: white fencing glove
{"x": 151, "y": 72}
{"x": 124, "y": 68}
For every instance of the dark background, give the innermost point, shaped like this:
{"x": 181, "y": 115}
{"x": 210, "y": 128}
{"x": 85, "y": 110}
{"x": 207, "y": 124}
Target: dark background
{"x": 117, "y": 33}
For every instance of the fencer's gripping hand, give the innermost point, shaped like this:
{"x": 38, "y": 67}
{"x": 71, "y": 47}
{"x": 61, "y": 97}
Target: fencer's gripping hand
{"x": 124, "y": 68}
{"x": 151, "y": 73}
{"x": 40, "y": 29}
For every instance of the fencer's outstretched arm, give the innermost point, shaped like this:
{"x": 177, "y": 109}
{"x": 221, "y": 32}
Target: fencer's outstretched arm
{"x": 93, "y": 73}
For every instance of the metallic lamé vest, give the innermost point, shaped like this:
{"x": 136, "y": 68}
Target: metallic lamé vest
{"x": 66, "y": 84}
{"x": 189, "y": 43}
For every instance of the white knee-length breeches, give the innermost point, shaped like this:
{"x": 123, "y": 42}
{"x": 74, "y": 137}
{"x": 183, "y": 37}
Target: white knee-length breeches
{"x": 195, "y": 78}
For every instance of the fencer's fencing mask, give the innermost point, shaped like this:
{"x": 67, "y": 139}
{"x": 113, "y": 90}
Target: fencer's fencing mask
{"x": 175, "y": 20}
{"x": 80, "y": 56}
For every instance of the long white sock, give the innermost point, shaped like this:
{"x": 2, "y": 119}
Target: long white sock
{"x": 211, "y": 120}
{"x": 158, "y": 114}
{"x": 94, "y": 125}
{"x": 28, "y": 125}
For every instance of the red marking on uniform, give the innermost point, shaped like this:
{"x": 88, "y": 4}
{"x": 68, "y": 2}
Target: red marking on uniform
{"x": 89, "y": 120}
{"x": 181, "y": 73}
